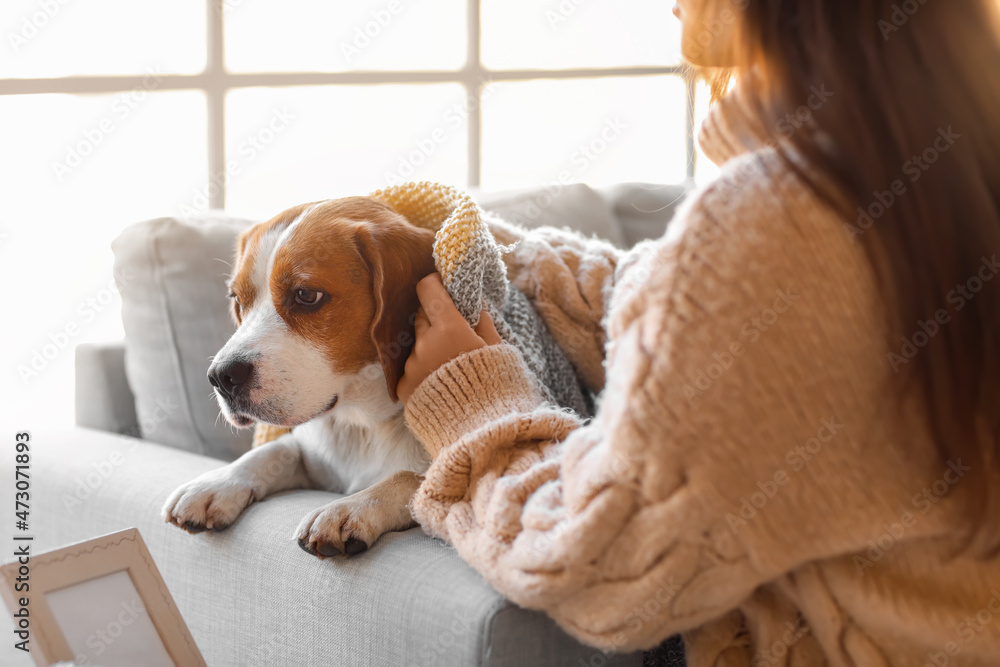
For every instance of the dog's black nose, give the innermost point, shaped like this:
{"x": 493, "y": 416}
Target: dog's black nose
{"x": 231, "y": 377}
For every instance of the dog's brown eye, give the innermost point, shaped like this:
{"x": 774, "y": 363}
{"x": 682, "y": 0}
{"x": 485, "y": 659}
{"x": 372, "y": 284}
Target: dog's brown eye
{"x": 307, "y": 297}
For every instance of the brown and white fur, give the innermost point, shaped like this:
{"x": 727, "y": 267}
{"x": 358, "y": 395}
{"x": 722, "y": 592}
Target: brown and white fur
{"x": 324, "y": 296}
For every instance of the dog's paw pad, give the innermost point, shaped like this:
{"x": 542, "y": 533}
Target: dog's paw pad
{"x": 353, "y": 546}
{"x": 192, "y": 527}
{"x": 328, "y": 550}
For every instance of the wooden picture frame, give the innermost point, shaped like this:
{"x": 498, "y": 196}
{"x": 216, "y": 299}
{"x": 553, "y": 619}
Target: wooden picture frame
{"x": 75, "y": 590}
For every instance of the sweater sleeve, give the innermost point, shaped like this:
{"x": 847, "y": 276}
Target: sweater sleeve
{"x": 734, "y": 353}
{"x": 551, "y": 510}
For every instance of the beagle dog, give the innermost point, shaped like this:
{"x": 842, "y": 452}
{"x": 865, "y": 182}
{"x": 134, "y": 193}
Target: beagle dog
{"x": 324, "y": 296}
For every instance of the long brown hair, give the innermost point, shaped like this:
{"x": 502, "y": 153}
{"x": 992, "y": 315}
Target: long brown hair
{"x": 908, "y": 149}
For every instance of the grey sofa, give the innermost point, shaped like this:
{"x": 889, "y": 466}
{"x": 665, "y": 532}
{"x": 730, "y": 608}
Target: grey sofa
{"x": 249, "y": 595}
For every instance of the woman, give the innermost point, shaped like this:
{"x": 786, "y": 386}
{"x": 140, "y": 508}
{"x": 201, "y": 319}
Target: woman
{"x": 794, "y": 459}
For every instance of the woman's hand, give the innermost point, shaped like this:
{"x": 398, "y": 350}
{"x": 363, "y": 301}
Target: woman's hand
{"x": 441, "y": 334}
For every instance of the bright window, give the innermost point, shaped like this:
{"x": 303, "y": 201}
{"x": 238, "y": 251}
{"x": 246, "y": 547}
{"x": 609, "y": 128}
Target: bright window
{"x": 116, "y": 111}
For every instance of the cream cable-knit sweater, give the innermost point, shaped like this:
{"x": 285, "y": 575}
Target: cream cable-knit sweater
{"x": 747, "y": 480}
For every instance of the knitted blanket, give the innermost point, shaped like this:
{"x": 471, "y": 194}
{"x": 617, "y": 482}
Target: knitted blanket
{"x": 471, "y": 265}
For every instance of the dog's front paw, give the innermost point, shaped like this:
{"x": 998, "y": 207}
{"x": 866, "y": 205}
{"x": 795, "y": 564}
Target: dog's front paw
{"x": 347, "y": 526}
{"x": 213, "y": 501}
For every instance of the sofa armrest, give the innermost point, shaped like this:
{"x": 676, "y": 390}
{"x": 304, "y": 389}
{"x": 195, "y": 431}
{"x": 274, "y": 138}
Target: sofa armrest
{"x": 103, "y": 397}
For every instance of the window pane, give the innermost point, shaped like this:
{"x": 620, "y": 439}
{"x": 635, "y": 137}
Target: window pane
{"x": 286, "y": 146}
{"x": 527, "y": 34}
{"x": 598, "y": 131}
{"x": 102, "y": 37}
{"x": 344, "y": 36}
{"x": 77, "y": 170}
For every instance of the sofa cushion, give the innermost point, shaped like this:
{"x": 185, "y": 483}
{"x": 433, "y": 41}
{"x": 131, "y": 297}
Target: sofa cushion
{"x": 176, "y": 316}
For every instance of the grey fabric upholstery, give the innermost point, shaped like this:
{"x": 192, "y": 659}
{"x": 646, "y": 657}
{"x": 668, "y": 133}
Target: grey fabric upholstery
{"x": 642, "y": 210}
{"x": 251, "y": 597}
{"x": 103, "y": 397}
{"x": 576, "y": 206}
{"x": 171, "y": 274}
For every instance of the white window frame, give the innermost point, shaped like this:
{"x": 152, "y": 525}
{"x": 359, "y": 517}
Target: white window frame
{"x": 215, "y": 81}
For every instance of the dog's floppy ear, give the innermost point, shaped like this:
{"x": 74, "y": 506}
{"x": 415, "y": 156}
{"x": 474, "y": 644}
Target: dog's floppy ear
{"x": 241, "y": 242}
{"x": 398, "y": 255}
